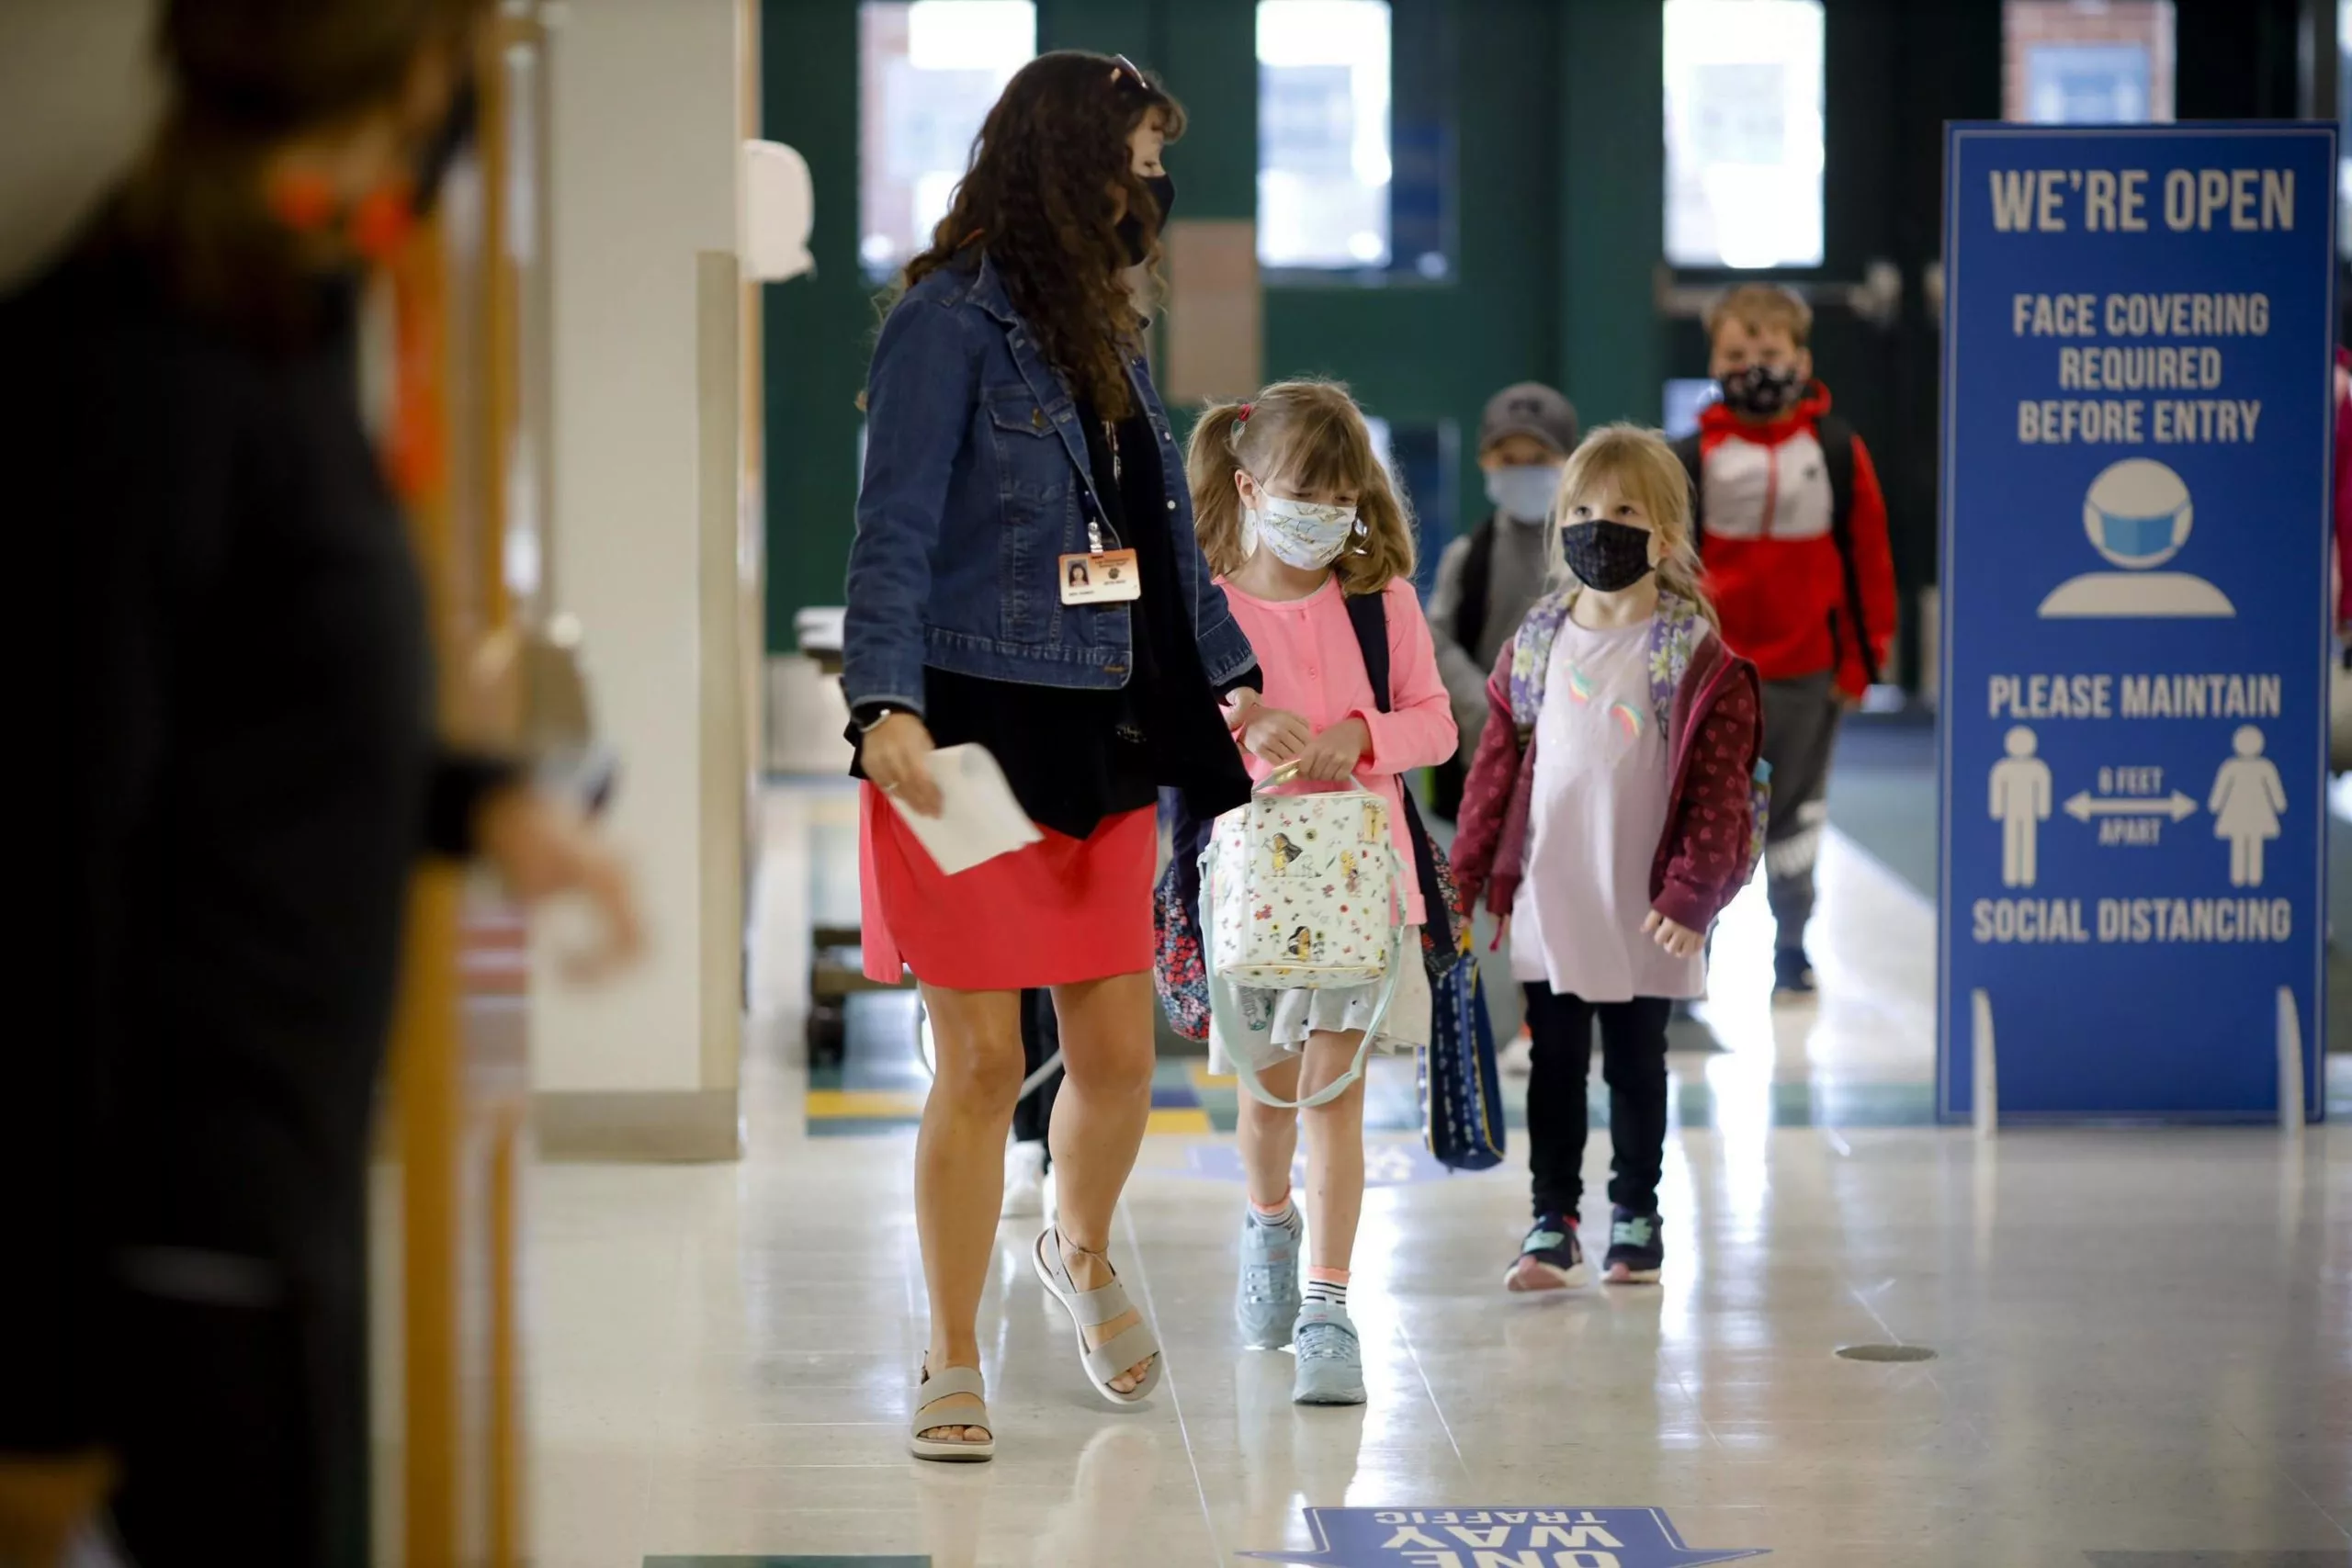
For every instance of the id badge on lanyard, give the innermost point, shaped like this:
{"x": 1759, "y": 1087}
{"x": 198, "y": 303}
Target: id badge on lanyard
{"x": 1102, "y": 576}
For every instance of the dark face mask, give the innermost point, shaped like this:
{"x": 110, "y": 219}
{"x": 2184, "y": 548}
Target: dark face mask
{"x": 1611, "y": 557}
{"x": 1762, "y": 391}
{"x": 1133, "y": 231}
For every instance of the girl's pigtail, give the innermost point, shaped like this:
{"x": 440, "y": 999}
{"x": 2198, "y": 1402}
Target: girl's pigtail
{"x": 1210, "y": 463}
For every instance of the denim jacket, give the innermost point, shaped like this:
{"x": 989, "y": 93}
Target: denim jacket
{"x": 977, "y": 484}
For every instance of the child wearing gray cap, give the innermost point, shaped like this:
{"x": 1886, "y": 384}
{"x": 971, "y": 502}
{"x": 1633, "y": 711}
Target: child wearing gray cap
{"x": 1488, "y": 578}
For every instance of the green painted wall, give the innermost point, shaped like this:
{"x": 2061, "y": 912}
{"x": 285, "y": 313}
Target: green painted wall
{"x": 819, "y": 329}
{"x": 1551, "y": 111}
{"x": 1557, "y": 185}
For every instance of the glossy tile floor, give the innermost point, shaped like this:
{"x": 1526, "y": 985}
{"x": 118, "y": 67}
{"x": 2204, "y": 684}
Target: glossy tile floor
{"x": 2144, "y": 1339}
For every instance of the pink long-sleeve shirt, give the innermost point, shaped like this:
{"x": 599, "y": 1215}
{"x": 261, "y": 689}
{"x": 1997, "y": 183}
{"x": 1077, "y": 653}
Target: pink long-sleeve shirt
{"x": 1307, "y": 654}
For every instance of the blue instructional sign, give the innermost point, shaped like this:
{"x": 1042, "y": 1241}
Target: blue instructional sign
{"x": 1498, "y": 1538}
{"x": 2139, "y": 328}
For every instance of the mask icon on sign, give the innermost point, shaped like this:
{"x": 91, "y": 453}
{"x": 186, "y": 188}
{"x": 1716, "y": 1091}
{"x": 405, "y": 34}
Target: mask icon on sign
{"x": 2138, "y": 515}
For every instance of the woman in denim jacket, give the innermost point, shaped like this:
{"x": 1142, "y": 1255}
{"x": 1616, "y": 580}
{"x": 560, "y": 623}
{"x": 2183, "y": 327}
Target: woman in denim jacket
{"x": 1013, "y": 437}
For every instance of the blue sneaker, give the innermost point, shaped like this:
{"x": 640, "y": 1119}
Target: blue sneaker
{"x": 1551, "y": 1258}
{"x": 1331, "y": 1360}
{"x": 1636, "y": 1251}
{"x": 1266, "y": 1302}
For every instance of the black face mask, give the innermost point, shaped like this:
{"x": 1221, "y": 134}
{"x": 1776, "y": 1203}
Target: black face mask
{"x": 1611, "y": 557}
{"x": 1762, "y": 391}
{"x": 1133, "y": 233}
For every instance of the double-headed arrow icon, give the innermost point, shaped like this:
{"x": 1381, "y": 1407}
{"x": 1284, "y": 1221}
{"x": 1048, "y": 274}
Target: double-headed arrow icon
{"x": 2176, "y": 805}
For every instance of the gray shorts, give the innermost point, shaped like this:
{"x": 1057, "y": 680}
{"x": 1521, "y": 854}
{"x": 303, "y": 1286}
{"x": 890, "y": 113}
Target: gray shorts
{"x": 1300, "y": 1013}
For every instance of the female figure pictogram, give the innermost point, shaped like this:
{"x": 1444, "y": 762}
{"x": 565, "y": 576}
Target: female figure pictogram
{"x": 2248, "y": 797}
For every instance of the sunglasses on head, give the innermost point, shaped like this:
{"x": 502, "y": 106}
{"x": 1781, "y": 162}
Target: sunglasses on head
{"x": 1126, "y": 71}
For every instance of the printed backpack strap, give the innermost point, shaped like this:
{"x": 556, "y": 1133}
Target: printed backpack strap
{"x": 1530, "y": 659}
{"x": 1673, "y": 639}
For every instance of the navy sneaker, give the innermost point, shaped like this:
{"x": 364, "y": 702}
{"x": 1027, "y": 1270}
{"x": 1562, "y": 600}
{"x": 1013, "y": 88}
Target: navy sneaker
{"x": 1793, "y": 973}
{"x": 1636, "y": 1250}
{"x": 1551, "y": 1258}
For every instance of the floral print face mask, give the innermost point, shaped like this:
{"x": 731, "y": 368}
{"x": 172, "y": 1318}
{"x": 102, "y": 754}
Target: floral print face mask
{"x": 1301, "y": 534}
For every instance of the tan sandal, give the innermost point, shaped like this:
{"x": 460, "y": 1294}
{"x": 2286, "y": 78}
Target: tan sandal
{"x": 1092, "y": 1309}
{"x": 932, "y": 1390}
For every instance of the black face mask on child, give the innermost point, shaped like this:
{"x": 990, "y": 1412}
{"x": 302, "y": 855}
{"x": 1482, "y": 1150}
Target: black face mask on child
{"x": 1611, "y": 557}
{"x": 1762, "y": 391}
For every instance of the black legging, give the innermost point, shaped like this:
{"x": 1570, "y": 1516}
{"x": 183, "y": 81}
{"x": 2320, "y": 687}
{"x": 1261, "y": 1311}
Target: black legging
{"x": 1041, "y": 1036}
{"x": 1632, "y": 1060}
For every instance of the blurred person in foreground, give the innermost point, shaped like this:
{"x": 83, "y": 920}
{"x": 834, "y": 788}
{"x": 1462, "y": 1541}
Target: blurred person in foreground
{"x": 248, "y": 774}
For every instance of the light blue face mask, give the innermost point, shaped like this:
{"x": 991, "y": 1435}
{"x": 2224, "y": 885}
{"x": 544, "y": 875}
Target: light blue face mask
{"x": 1524, "y": 491}
{"x": 2137, "y": 537}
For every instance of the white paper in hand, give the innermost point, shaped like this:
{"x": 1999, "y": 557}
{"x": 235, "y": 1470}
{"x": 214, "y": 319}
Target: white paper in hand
{"x": 979, "y": 819}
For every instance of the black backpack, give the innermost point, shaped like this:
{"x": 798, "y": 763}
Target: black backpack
{"x": 1368, "y": 616}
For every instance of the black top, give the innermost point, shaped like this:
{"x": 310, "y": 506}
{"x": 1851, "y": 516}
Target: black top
{"x": 237, "y": 720}
{"x": 1074, "y": 758}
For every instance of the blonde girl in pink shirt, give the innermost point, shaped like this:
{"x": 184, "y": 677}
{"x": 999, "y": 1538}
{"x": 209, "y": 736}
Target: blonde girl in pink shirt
{"x": 1296, "y": 517}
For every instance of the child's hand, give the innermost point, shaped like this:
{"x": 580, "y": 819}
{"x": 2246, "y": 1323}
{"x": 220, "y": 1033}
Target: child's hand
{"x": 543, "y": 850}
{"x": 1333, "y": 754}
{"x": 1275, "y": 735}
{"x": 1680, "y": 940}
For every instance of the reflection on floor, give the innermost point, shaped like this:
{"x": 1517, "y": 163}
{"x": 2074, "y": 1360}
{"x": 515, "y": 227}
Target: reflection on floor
{"x": 2144, "y": 1339}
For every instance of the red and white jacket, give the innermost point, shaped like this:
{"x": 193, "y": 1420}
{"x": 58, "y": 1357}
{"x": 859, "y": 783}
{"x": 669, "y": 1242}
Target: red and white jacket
{"x": 1788, "y": 593}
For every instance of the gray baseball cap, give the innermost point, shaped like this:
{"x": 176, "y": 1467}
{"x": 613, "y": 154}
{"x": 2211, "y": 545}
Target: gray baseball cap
{"x": 1530, "y": 409}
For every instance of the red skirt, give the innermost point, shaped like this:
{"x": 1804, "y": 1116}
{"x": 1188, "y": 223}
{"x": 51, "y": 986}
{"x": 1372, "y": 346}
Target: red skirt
{"x": 1061, "y": 911}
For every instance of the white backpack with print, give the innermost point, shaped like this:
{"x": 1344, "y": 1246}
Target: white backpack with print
{"x": 1299, "y": 892}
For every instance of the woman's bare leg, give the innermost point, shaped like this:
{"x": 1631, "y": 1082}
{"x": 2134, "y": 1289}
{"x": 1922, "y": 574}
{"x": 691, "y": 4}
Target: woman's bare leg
{"x": 1100, "y": 1113}
{"x": 959, "y": 1170}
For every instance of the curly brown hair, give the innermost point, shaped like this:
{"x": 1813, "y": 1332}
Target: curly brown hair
{"x": 1042, "y": 197}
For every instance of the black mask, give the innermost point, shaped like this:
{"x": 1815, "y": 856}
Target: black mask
{"x": 1133, "y": 233}
{"x": 1611, "y": 557}
{"x": 1762, "y": 391}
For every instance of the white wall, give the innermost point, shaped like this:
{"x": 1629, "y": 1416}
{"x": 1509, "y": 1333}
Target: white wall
{"x": 646, "y": 109}
{"x": 76, "y": 96}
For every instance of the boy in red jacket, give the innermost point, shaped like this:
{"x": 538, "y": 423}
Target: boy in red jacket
{"x": 1792, "y": 537}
